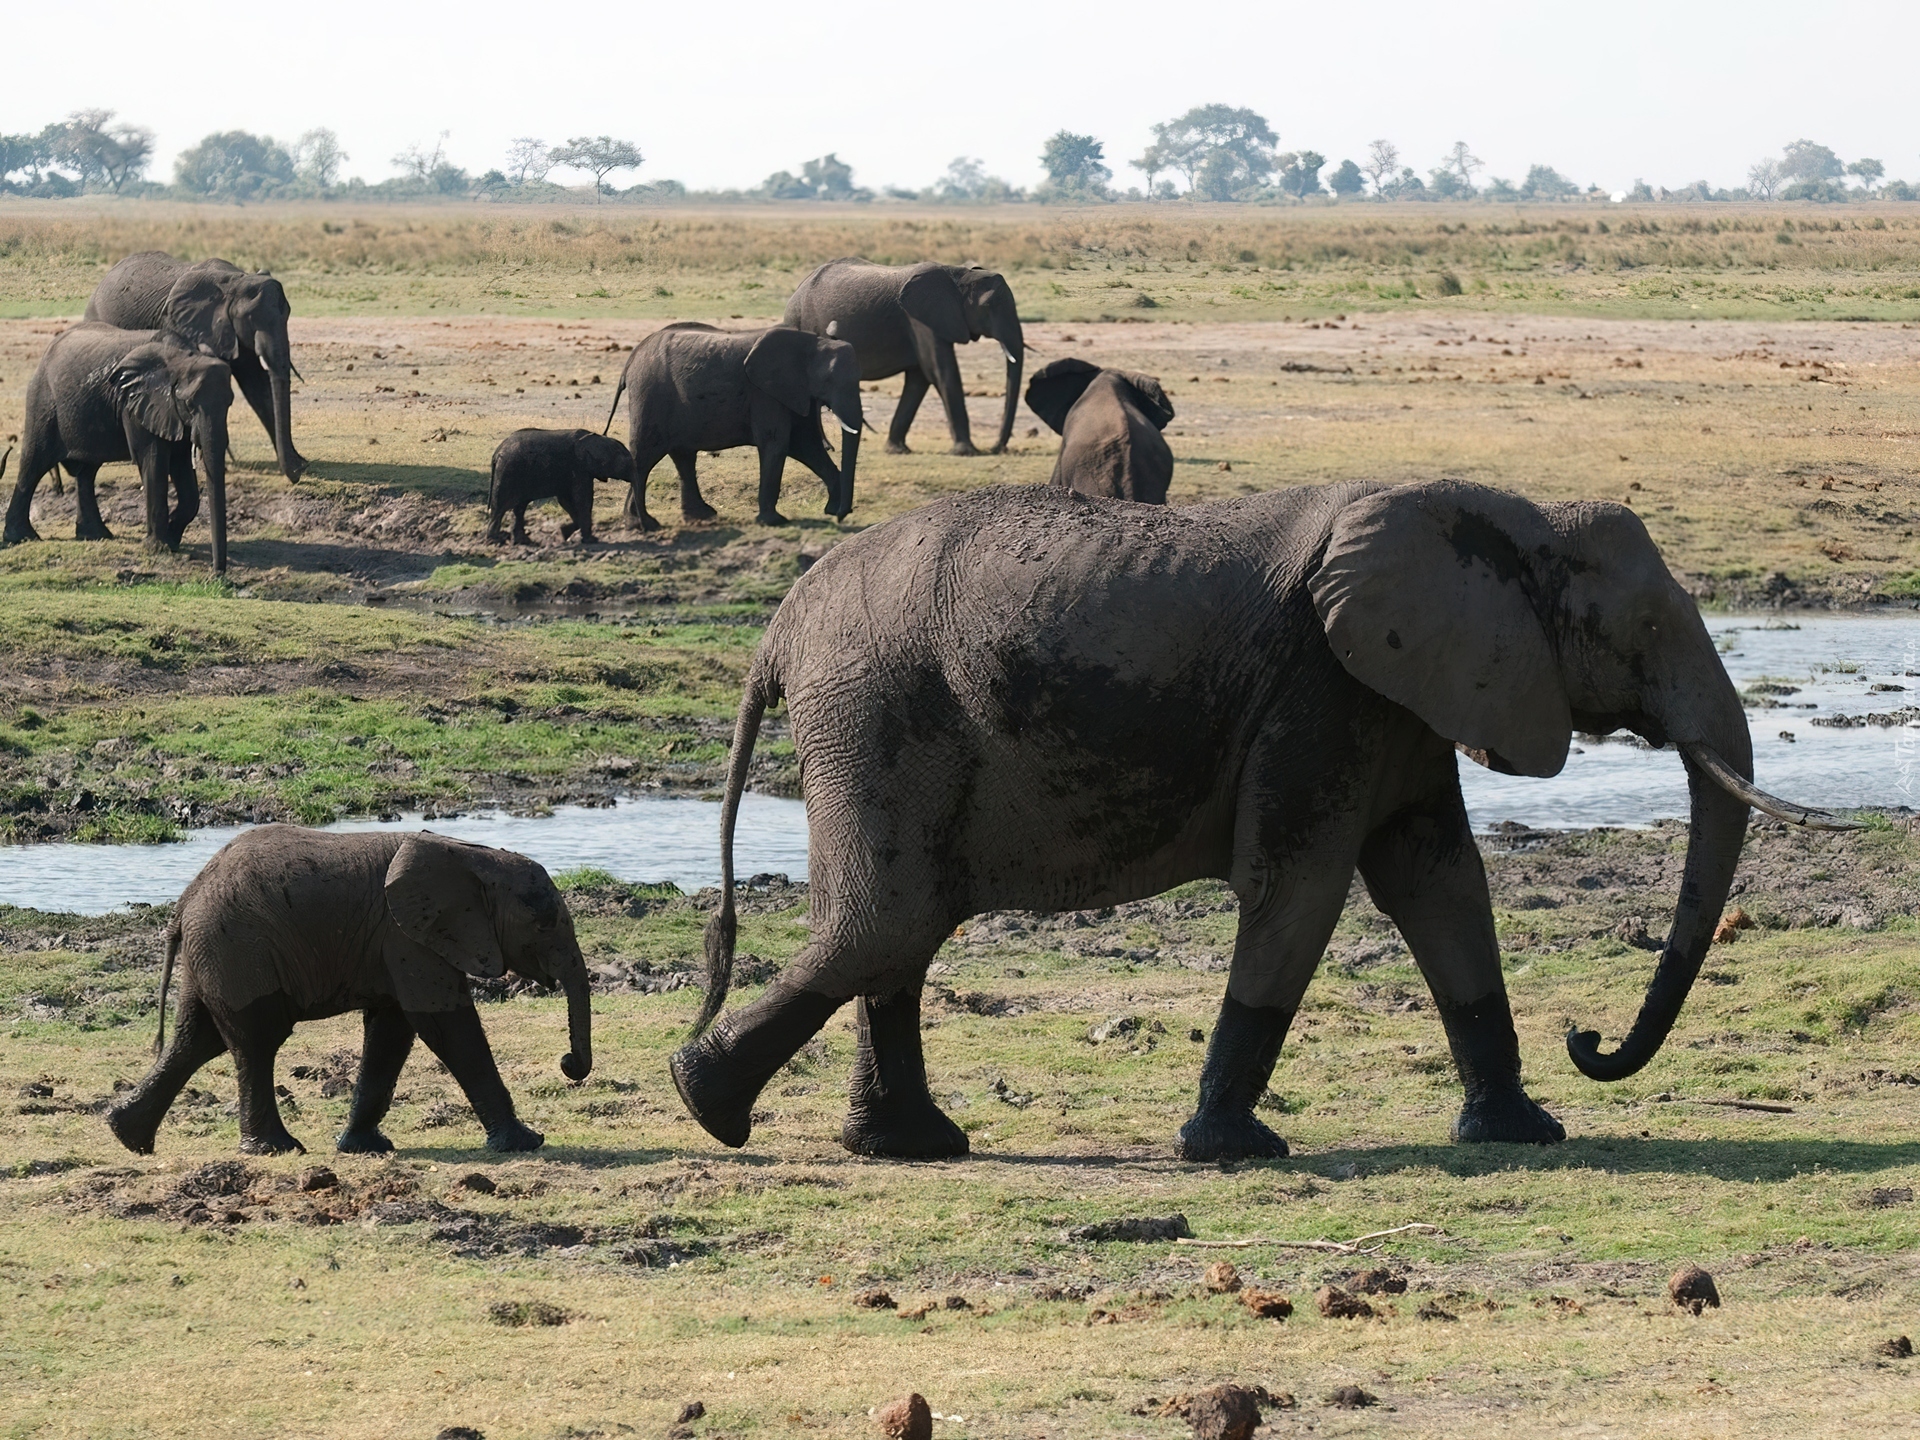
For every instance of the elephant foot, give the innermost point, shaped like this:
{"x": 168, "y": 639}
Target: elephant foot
{"x": 963, "y": 448}
{"x": 770, "y": 517}
{"x": 700, "y": 1076}
{"x": 643, "y": 522}
{"x": 131, "y": 1130}
{"x": 19, "y": 535}
{"x": 919, "y": 1132}
{"x": 1210, "y": 1135}
{"x": 96, "y": 531}
{"x": 1506, "y": 1116}
{"x": 514, "y": 1138}
{"x": 699, "y": 510}
{"x": 363, "y": 1142}
{"x": 281, "y": 1144}
{"x": 897, "y": 447}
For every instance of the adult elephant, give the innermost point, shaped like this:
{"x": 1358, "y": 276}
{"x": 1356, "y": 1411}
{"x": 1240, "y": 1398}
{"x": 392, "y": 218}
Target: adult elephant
{"x": 908, "y": 318}
{"x": 238, "y": 315}
{"x": 1109, "y": 423}
{"x": 102, "y": 395}
{"x": 1065, "y": 703}
{"x": 693, "y": 387}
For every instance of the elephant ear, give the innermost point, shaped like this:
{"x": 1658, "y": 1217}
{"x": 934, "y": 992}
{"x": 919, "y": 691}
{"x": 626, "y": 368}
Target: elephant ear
{"x": 1056, "y": 388}
{"x": 778, "y": 363}
{"x": 197, "y": 311}
{"x": 931, "y": 297}
{"x": 437, "y": 901}
{"x": 1148, "y": 395}
{"x": 143, "y": 381}
{"x": 1424, "y": 596}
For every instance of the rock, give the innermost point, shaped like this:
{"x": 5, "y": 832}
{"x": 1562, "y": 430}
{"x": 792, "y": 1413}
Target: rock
{"x": 908, "y": 1419}
{"x": 1351, "y": 1397}
{"x": 1377, "y": 1282}
{"x": 874, "y": 1300}
{"x": 460, "y": 1432}
{"x": 1222, "y": 1278}
{"x": 1693, "y": 1289}
{"x": 1136, "y": 1227}
{"x": 317, "y": 1177}
{"x": 1226, "y": 1412}
{"x": 690, "y": 1412}
{"x": 1267, "y": 1304}
{"x": 477, "y": 1181}
{"x": 1337, "y": 1304}
{"x": 1898, "y": 1348}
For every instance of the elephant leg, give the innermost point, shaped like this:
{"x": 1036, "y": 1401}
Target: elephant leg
{"x": 255, "y": 1035}
{"x": 386, "y": 1039}
{"x": 88, "y": 525}
{"x": 693, "y": 505}
{"x": 155, "y": 461}
{"x": 773, "y": 464}
{"x": 187, "y": 486}
{"x": 721, "y": 1074}
{"x": 892, "y": 1111}
{"x": 256, "y": 382}
{"x": 1423, "y": 870}
{"x": 196, "y": 1040}
{"x": 520, "y": 524}
{"x": 20, "y": 508}
{"x": 579, "y": 507}
{"x": 457, "y": 1038}
{"x": 953, "y": 395}
{"x": 913, "y": 390}
{"x": 636, "y": 507}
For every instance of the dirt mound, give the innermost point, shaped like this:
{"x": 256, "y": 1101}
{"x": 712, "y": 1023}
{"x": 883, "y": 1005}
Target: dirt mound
{"x": 518, "y": 1313}
{"x": 1226, "y": 1412}
{"x": 1221, "y": 1278}
{"x": 1693, "y": 1289}
{"x": 1267, "y": 1304}
{"x": 1134, "y": 1228}
{"x": 1336, "y": 1304}
{"x": 1351, "y": 1397}
{"x": 908, "y": 1419}
{"x": 1376, "y": 1282}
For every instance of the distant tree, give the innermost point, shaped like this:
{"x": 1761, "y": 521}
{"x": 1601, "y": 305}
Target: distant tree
{"x": 599, "y": 156}
{"x": 1868, "y": 172}
{"x": 1075, "y": 165}
{"x": 1347, "y": 180}
{"x": 1498, "y": 189}
{"x": 1764, "y": 177}
{"x": 105, "y": 154}
{"x": 785, "y": 185}
{"x": 1383, "y": 159}
{"x": 234, "y": 165}
{"x": 1220, "y": 149}
{"x": 1543, "y": 182}
{"x": 317, "y": 157}
{"x": 967, "y": 179}
{"x": 830, "y": 177}
{"x": 528, "y": 160}
{"x": 1641, "y": 192}
{"x": 1300, "y": 172}
{"x": 418, "y": 164}
{"x": 1462, "y": 162}
{"x": 1444, "y": 183}
{"x": 1405, "y": 186}
{"x": 1152, "y": 163}
{"x": 1804, "y": 160}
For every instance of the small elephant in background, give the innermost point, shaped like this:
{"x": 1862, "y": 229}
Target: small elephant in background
{"x": 1109, "y": 422}
{"x": 102, "y": 395}
{"x": 286, "y": 924}
{"x": 692, "y": 387}
{"x": 558, "y": 465}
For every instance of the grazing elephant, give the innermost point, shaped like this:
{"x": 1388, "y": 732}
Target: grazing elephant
{"x": 1063, "y": 704}
{"x": 102, "y": 395}
{"x": 693, "y": 387}
{"x": 909, "y": 318}
{"x": 238, "y": 315}
{"x": 286, "y": 924}
{"x": 558, "y": 465}
{"x": 1109, "y": 423}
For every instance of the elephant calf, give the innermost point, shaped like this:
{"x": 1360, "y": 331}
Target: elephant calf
{"x": 552, "y": 465}
{"x": 1109, "y": 423}
{"x": 286, "y": 924}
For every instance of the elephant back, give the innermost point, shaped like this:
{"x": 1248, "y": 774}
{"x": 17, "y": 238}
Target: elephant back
{"x": 133, "y": 294}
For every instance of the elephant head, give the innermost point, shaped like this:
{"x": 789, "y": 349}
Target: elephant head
{"x": 804, "y": 372}
{"x": 178, "y": 394}
{"x": 235, "y": 313}
{"x": 485, "y": 912}
{"x": 1507, "y": 626}
{"x": 992, "y": 314}
{"x": 601, "y": 456}
{"x": 1056, "y": 388}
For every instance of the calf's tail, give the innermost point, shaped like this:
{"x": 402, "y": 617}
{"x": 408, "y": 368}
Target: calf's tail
{"x": 763, "y": 689}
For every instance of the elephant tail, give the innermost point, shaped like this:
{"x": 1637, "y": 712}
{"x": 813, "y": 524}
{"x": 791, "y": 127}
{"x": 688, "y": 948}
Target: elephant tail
{"x": 763, "y": 689}
{"x": 614, "y": 409}
{"x": 166, "y": 975}
{"x": 3, "y": 462}
{"x": 59, "y": 484}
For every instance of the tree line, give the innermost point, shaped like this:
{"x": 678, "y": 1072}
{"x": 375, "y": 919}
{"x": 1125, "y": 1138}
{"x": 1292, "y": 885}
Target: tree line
{"x": 1214, "y": 152}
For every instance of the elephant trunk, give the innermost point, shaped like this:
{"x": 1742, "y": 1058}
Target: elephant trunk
{"x": 210, "y": 438}
{"x": 1016, "y": 360}
{"x": 577, "y": 1063}
{"x": 1005, "y": 327}
{"x": 276, "y": 359}
{"x": 849, "y": 455}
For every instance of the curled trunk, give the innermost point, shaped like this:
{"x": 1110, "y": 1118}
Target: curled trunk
{"x": 842, "y": 502}
{"x": 577, "y": 1063}
{"x": 291, "y": 464}
{"x": 1015, "y": 362}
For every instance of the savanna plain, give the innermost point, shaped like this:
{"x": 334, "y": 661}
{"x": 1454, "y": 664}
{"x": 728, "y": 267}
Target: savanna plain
{"x": 1746, "y": 378}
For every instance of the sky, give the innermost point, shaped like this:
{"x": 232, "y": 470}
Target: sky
{"x": 720, "y": 95}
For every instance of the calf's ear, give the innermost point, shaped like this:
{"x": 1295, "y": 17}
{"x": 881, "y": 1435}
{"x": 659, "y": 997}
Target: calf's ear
{"x": 1056, "y": 388}
{"x": 143, "y": 384}
{"x": 779, "y": 364}
{"x": 437, "y": 901}
{"x": 1424, "y": 593}
{"x": 1150, "y": 398}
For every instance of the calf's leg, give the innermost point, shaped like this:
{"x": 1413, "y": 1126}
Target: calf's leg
{"x": 196, "y": 1040}
{"x": 892, "y": 1111}
{"x": 386, "y": 1040}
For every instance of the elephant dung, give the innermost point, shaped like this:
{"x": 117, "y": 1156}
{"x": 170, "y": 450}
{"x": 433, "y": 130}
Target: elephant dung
{"x": 1336, "y": 1304}
{"x": 1172, "y": 1227}
{"x": 1226, "y": 1412}
{"x": 1267, "y": 1304}
{"x": 1376, "y": 1282}
{"x": 1898, "y": 1348}
{"x": 874, "y": 1300}
{"x": 317, "y": 1177}
{"x": 908, "y": 1419}
{"x": 1693, "y": 1289}
{"x": 1222, "y": 1278}
{"x": 1351, "y": 1397}
{"x": 1730, "y": 926}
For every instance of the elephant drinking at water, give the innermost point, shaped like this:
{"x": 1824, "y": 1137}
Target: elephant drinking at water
{"x": 1025, "y": 699}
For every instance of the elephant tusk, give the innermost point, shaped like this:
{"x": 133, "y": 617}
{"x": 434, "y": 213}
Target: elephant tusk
{"x": 1729, "y": 780}
{"x": 849, "y": 429}
{"x": 1012, "y": 359}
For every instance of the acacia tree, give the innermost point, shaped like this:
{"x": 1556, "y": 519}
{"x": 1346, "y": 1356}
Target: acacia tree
{"x": 599, "y": 156}
{"x": 1152, "y": 164}
{"x": 1075, "y": 164}
{"x": 1220, "y": 149}
{"x": 1383, "y": 162}
{"x": 529, "y": 158}
{"x": 318, "y": 157}
{"x": 1804, "y": 160}
{"x": 234, "y": 165}
{"x": 1463, "y": 162}
{"x": 829, "y": 177}
{"x": 1868, "y": 172}
{"x": 1764, "y": 177}
{"x": 105, "y": 153}
{"x": 1300, "y": 172}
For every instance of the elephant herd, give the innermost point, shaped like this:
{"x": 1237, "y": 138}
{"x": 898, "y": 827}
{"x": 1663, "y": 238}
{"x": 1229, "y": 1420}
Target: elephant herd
{"x": 1042, "y": 698}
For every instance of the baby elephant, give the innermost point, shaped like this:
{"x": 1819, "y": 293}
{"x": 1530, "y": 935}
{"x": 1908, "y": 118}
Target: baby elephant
{"x": 1109, "y": 423}
{"x": 552, "y": 465}
{"x": 286, "y": 924}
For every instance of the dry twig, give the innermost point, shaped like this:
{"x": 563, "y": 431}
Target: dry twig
{"x": 1338, "y": 1247}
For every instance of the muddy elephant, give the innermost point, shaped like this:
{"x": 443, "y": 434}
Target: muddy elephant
{"x": 102, "y": 395}
{"x": 286, "y": 924}
{"x": 1025, "y": 699}
{"x": 1109, "y": 423}
{"x": 908, "y": 318}
{"x": 238, "y": 315}
{"x": 692, "y": 387}
{"x": 558, "y": 465}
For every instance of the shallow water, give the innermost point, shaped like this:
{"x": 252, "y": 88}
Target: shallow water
{"x": 1833, "y": 664}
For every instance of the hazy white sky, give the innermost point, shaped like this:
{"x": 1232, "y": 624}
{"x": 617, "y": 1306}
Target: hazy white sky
{"x": 722, "y": 92}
